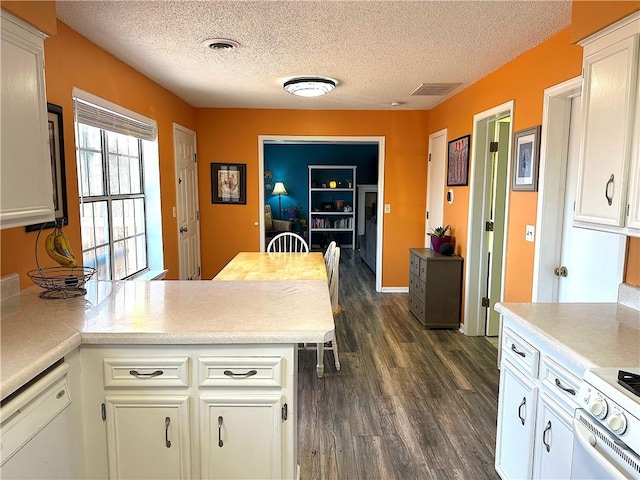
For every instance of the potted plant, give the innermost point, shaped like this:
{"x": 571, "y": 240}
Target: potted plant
{"x": 303, "y": 221}
{"x": 439, "y": 237}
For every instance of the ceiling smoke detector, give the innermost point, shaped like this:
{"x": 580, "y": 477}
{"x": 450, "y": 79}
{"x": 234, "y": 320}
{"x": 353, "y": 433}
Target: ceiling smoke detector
{"x": 309, "y": 86}
{"x": 221, "y": 44}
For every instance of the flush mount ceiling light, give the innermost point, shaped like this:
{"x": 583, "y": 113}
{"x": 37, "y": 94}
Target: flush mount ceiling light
{"x": 310, "y": 86}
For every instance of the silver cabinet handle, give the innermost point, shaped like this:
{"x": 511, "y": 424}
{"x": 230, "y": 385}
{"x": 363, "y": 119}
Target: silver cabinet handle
{"x": 547, "y": 429}
{"x": 220, "y": 443}
{"x": 518, "y": 352}
{"x": 167, "y": 442}
{"x": 522, "y": 404}
{"x": 562, "y": 387}
{"x": 248, "y": 374}
{"x": 136, "y": 373}
{"x": 606, "y": 190}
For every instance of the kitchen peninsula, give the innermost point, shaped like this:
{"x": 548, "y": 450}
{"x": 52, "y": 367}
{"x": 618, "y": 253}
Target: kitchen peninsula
{"x": 216, "y": 362}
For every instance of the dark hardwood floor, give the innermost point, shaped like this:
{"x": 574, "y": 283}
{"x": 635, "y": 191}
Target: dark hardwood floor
{"x": 408, "y": 403}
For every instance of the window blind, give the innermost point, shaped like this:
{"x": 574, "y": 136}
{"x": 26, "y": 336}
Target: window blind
{"x": 100, "y": 117}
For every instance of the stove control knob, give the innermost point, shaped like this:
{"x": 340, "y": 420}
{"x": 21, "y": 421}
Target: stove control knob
{"x": 599, "y": 408}
{"x": 617, "y": 422}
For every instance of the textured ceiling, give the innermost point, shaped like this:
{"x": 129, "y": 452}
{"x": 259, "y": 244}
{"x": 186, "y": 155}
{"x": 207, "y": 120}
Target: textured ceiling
{"x": 379, "y": 51}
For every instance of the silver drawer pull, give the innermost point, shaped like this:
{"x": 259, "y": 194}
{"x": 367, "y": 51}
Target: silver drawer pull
{"x": 562, "y": 387}
{"x": 220, "y": 442}
{"x": 606, "y": 190}
{"x": 547, "y": 429}
{"x": 248, "y": 374}
{"x": 518, "y": 352}
{"x": 522, "y": 404}
{"x": 136, "y": 373}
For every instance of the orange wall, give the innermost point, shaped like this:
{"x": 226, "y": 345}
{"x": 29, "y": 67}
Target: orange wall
{"x": 71, "y": 60}
{"x": 523, "y": 80}
{"x": 588, "y": 17}
{"x": 231, "y": 135}
{"x": 632, "y": 274}
{"x": 41, "y": 15}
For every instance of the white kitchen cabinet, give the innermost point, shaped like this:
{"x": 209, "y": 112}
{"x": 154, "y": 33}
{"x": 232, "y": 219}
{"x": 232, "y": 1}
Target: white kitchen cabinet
{"x": 516, "y": 423}
{"x": 609, "y": 129}
{"x": 250, "y": 388}
{"x": 553, "y": 448}
{"x": 241, "y": 436}
{"x": 148, "y": 436}
{"x": 633, "y": 221}
{"x": 26, "y": 191}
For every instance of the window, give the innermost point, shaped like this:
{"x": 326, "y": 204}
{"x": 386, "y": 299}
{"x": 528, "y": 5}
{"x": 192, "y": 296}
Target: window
{"x": 116, "y": 212}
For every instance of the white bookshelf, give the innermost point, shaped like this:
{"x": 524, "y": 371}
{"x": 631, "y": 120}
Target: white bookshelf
{"x": 329, "y": 187}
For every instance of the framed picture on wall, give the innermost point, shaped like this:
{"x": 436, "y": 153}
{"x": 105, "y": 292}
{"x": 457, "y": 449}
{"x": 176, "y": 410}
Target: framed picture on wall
{"x": 458, "y": 162}
{"x": 58, "y": 176}
{"x": 228, "y": 183}
{"x": 526, "y": 147}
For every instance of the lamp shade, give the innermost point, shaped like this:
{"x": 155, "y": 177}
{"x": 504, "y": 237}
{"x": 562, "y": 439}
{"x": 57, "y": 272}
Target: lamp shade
{"x": 279, "y": 189}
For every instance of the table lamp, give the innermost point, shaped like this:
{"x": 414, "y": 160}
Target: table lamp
{"x": 278, "y": 189}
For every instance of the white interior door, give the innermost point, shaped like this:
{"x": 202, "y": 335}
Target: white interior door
{"x": 435, "y": 183}
{"x": 593, "y": 260}
{"x": 188, "y": 216}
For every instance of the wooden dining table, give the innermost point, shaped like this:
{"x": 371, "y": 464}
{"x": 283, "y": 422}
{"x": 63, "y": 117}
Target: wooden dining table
{"x": 286, "y": 267}
{"x": 275, "y": 266}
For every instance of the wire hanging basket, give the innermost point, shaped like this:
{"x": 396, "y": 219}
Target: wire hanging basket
{"x": 60, "y": 282}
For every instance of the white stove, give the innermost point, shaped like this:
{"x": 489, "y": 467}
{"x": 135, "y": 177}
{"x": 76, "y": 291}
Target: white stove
{"x": 607, "y": 424}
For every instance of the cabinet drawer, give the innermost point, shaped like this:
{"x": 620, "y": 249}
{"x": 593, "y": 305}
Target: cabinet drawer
{"x": 416, "y": 286}
{"x": 524, "y": 355}
{"x": 557, "y": 379}
{"x": 240, "y": 371}
{"x": 146, "y": 372}
{"x": 422, "y": 269}
{"x": 414, "y": 264}
{"x": 416, "y": 306}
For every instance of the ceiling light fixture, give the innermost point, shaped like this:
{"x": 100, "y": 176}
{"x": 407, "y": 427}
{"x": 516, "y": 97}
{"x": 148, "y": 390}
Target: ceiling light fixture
{"x": 310, "y": 86}
{"x": 221, "y": 44}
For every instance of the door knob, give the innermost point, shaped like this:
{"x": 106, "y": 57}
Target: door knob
{"x": 183, "y": 229}
{"x": 560, "y": 271}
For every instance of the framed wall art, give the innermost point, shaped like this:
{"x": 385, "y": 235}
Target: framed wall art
{"x": 228, "y": 183}
{"x": 58, "y": 176}
{"x": 458, "y": 162}
{"x": 526, "y": 158}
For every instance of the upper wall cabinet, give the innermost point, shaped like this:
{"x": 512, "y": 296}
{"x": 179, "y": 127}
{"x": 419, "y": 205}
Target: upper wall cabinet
{"x": 607, "y": 192}
{"x": 26, "y": 193}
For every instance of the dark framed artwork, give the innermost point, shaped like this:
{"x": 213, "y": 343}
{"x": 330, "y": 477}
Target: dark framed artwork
{"x": 526, "y": 158}
{"x": 58, "y": 176}
{"x": 458, "y": 162}
{"x": 228, "y": 183}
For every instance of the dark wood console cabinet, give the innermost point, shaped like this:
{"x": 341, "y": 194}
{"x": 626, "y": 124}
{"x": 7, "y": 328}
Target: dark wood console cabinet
{"x": 435, "y": 288}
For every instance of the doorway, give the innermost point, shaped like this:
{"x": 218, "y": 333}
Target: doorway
{"x": 317, "y": 140}
{"x": 435, "y": 183}
{"x": 187, "y": 214}
{"x": 570, "y": 264}
{"x": 488, "y": 215}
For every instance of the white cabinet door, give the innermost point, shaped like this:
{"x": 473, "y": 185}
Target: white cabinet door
{"x": 26, "y": 190}
{"x": 241, "y": 436}
{"x": 148, "y": 437}
{"x": 633, "y": 218}
{"x": 554, "y": 441}
{"x": 516, "y": 423}
{"x": 610, "y": 84}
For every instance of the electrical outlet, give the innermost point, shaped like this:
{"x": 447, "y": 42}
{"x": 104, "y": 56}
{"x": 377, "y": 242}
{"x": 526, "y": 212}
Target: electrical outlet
{"x": 387, "y": 208}
{"x": 529, "y": 235}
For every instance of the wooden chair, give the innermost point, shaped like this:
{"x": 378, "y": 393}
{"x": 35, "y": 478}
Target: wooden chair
{"x": 328, "y": 254}
{"x": 287, "y": 242}
{"x": 333, "y": 274}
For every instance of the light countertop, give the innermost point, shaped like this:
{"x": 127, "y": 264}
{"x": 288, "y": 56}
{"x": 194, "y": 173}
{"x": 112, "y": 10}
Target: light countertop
{"x": 583, "y": 335}
{"x": 37, "y": 332}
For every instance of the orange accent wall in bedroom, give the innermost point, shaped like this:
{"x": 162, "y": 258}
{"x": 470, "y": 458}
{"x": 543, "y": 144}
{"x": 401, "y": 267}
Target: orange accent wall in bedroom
{"x": 231, "y": 135}
{"x": 72, "y": 60}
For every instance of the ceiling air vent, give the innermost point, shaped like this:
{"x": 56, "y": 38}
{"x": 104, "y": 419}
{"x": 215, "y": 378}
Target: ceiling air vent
{"x": 435, "y": 88}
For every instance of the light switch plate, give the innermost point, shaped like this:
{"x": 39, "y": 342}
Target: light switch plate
{"x": 387, "y": 208}
{"x": 529, "y": 235}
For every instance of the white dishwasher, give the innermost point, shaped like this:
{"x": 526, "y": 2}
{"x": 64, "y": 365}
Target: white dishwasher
{"x": 36, "y": 429}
